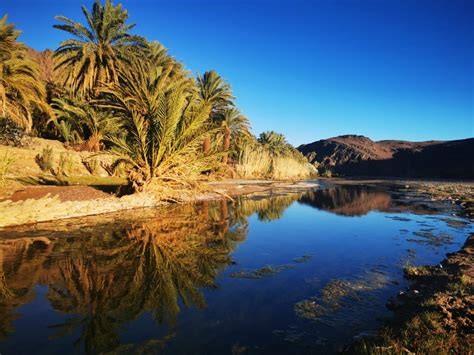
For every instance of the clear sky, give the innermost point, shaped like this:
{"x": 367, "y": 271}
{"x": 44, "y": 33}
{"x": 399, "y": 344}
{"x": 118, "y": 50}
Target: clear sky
{"x": 312, "y": 69}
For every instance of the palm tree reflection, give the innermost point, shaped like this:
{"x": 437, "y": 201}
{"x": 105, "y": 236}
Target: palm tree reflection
{"x": 109, "y": 275}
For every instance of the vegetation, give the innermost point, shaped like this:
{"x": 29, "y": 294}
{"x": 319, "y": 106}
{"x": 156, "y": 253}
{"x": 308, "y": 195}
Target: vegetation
{"x": 21, "y": 91}
{"x": 272, "y": 157}
{"x": 92, "y": 165}
{"x": 97, "y": 49}
{"x": 5, "y": 162}
{"x": 81, "y": 122}
{"x": 45, "y": 160}
{"x": 106, "y": 89}
{"x": 166, "y": 123}
{"x": 65, "y": 165}
{"x": 433, "y": 316}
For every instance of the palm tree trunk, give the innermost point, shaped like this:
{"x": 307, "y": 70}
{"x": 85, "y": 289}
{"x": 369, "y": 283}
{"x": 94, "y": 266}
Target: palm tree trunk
{"x": 206, "y": 145}
{"x": 226, "y": 145}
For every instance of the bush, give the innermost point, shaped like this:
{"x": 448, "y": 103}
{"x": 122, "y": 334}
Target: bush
{"x": 325, "y": 172}
{"x": 10, "y": 133}
{"x": 65, "y": 165}
{"x": 45, "y": 160}
{"x": 92, "y": 166}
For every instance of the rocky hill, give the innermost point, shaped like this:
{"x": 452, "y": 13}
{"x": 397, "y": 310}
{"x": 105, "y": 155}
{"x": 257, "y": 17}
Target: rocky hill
{"x": 353, "y": 155}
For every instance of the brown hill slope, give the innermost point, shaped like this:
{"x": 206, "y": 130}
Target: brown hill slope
{"x": 352, "y": 155}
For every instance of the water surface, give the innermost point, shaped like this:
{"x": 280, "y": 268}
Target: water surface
{"x": 293, "y": 273}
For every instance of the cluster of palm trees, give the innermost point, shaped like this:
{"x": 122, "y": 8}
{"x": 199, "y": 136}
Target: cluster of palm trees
{"x": 111, "y": 89}
{"x": 21, "y": 91}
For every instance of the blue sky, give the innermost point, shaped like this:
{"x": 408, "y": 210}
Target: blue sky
{"x": 312, "y": 69}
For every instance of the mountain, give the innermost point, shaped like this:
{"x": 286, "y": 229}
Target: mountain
{"x": 352, "y": 155}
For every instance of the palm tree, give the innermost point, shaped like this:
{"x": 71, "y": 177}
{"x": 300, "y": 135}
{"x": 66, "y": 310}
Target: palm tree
{"x": 21, "y": 91}
{"x": 217, "y": 93}
{"x": 275, "y": 142}
{"x": 90, "y": 123}
{"x": 236, "y": 130}
{"x": 98, "y": 49}
{"x": 8, "y": 39}
{"x": 158, "y": 55}
{"x": 165, "y": 124}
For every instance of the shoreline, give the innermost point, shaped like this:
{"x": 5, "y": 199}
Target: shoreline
{"x": 434, "y": 314}
{"x": 44, "y": 203}
{"x": 53, "y": 206}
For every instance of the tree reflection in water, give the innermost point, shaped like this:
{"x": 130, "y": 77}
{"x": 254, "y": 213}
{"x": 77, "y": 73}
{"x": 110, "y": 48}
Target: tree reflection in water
{"x": 106, "y": 275}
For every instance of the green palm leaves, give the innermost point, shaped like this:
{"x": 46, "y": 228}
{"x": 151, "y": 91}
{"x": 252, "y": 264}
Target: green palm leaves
{"x": 21, "y": 91}
{"x": 235, "y": 127}
{"x": 165, "y": 125}
{"x": 79, "y": 121}
{"x": 215, "y": 91}
{"x": 275, "y": 142}
{"x": 97, "y": 49}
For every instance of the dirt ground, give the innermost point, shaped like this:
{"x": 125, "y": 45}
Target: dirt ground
{"x": 64, "y": 193}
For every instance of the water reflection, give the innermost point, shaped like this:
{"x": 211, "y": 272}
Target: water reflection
{"x": 100, "y": 275}
{"x": 358, "y": 200}
{"x": 348, "y": 200}
{"x": 111, "y": 274}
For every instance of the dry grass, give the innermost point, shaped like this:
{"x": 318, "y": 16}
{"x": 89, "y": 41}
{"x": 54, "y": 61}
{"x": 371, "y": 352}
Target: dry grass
{"x": 258, "y": 162}
{"x": 5, "y": 163}
{"x": 25, "y": 163}
{"x": 284, "y": 168}
{"x": 254, "y": 163}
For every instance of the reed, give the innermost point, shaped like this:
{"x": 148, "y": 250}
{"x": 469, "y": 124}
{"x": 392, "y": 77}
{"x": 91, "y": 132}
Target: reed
{"x": 259, "y": 162}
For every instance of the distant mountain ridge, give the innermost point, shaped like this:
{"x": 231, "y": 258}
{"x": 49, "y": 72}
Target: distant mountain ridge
{"x": 354, "y": 155}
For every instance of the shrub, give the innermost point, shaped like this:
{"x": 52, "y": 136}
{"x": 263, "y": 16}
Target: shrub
{"x": 325, "y": 172}
{"x": 92, "y": 165}
{"x": 65, "y": 165}
{"x": 45, "y": 160}
{"x": 10, "y": 133}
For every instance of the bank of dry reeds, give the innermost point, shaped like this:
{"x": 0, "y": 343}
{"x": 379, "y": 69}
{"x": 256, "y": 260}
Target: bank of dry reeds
{"x": 259, "y": 162}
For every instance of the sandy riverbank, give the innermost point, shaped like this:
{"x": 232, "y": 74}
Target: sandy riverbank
{"x": 33, "y": 204}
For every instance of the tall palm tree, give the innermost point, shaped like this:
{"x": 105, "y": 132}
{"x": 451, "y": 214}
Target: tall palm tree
{"x": 214, "y": 91}
{"x": 236, "y": 129}
{"x": 165, "y": 125}
{"x": 21, "y": 91}
{"x": 98, "y": 48}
